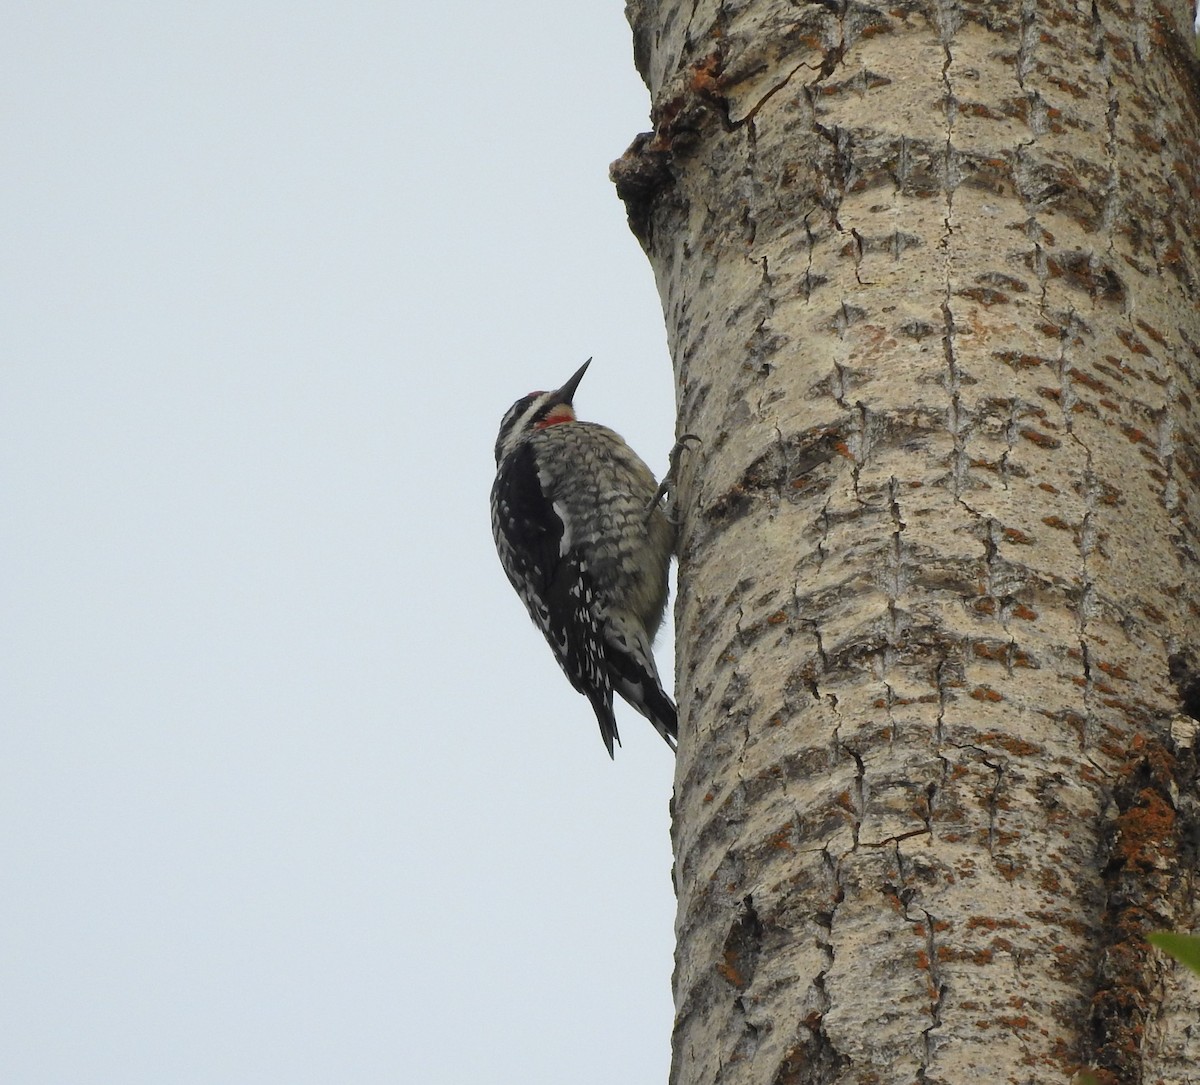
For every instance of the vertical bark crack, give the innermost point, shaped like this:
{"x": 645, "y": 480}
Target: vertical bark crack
{"x": 937, "y": 994}
{"x": 949, "y": 19}
{"x": 1087, "y": 597}
{"x": 860, "y": 792}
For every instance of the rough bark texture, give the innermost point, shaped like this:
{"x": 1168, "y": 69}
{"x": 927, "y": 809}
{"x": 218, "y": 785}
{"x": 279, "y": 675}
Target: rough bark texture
{"x": 932, "y": 285}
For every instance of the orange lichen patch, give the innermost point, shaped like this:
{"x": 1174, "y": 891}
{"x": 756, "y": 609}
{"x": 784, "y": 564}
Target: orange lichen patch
{"x": 706, "y": 76}
{"x": 986, "y": 605}
{"x": 995, "y": 651}
{"x": 978, "y": 109}
{"x": 894, "y": 902}
{"x": 1134, "y": 435}
{"x": 1042, "y": 440}
{"x": 983, "y": 295}
{"x": 778, "y": 617}
{"x": 1146, "y": 140}
{"x": 709, "y": 797}
{"x": 973, "y": 956}
{"x": 1173, "y": 255}
{"x": 728, "y": 968}
{"x": 1154, "y": 333}
{"x": 1017, "y": 360}
{"x": 1003, "y": 652}
{"x": 1019, "y": 1022}
{"x": 1008, "y": 870}
{"x": 1119, "y": 369}
{"x": 1067, "y": 86}
{"x": 1088, "y": 380}
{"x": 1016, "y": 746}
{"x": 1025, "y": 613}
{"x": 1114, "y": 670}
{"x": 781, "y": 839}
{"x": 986, "y": 693}
{"x": 1049, "y": 880}
{"x": 1048, "y": 488}
{"x": 1143, "y": 828}
{"x": 991, "y": 923}
{"x": 922, "y": 960}
{"x": 1017, "y": 538}
{"x": 1133, "y": 342}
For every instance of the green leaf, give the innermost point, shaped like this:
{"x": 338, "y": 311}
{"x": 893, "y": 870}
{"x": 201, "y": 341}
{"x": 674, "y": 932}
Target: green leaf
{"x": 1185, "y": 948}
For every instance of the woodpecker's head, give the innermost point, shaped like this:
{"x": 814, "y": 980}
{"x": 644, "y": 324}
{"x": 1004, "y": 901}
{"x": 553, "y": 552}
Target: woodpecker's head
{"x": 537, "y": 411}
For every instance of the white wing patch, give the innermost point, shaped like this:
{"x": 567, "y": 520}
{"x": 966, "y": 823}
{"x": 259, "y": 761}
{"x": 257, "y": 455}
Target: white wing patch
{"x": 565, "y": 543}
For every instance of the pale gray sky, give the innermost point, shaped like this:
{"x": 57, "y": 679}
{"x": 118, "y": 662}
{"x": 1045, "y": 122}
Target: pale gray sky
{"x": 291, "y": 790}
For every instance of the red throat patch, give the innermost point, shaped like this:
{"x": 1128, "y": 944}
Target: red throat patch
{"x": 559, "y": 414}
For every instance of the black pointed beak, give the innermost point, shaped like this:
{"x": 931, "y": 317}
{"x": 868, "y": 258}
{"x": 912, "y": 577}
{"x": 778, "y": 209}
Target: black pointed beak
{"x": 567, "y": 392}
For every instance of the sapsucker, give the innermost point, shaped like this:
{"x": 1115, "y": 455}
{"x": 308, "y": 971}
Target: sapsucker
{"x": 585, "y": 543}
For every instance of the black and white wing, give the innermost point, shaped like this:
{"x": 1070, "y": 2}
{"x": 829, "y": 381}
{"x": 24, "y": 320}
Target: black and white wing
{"x": 552, "y": 578}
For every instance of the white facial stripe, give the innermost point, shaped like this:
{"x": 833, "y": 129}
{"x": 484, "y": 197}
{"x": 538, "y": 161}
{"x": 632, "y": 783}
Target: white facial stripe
{"x": 516, "y": 422}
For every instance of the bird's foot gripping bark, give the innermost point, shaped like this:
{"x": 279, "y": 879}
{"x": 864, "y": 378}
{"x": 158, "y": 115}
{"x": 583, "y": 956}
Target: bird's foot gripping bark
{"x": 666, "y": 488}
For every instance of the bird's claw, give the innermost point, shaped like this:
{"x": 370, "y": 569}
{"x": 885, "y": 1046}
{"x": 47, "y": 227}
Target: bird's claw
{"x": 667, "y": 485}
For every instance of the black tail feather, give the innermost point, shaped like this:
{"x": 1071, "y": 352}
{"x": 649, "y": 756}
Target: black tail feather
{"x": 602, "y": 705}
{"x": 641, "y": 688}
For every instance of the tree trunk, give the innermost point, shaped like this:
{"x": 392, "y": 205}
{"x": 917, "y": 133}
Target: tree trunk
{"x": 931, "y": 280}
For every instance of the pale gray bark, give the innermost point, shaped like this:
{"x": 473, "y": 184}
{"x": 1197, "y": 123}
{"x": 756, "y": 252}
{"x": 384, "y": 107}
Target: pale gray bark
{"x": 931, "y": 279}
